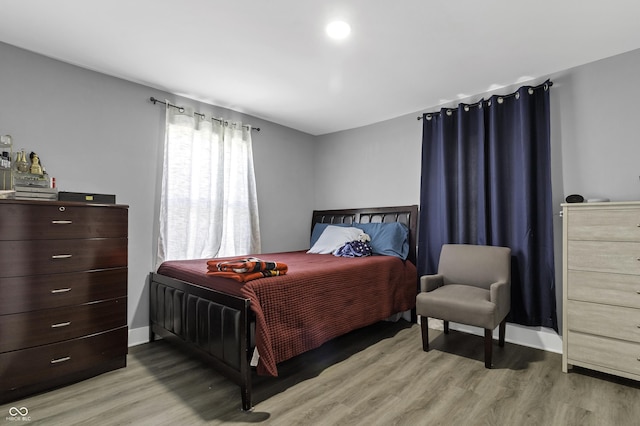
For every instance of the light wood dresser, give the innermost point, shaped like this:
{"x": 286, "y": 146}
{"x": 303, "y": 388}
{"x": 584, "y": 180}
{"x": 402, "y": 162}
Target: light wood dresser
{"x": 601, "y": 274}
{"x": 63, "y": 293}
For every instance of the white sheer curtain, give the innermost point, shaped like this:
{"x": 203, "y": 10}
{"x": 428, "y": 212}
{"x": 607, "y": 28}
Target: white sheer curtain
{"x": 208, "y": 204}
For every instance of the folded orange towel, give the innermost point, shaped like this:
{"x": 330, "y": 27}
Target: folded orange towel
{"x": 247, "y": 276}
{"x": 245, "y": 269}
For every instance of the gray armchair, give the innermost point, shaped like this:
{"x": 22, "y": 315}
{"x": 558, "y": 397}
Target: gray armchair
{"x": 473, "y": 287}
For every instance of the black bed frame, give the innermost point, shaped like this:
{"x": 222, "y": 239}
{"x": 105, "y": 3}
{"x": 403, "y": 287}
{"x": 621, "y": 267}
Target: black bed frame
{"x": 220, "y": 326}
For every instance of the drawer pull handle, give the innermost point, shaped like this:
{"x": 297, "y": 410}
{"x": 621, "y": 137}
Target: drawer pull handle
{"x": 60, "y": 290}
{"x": 61, "y": 256}
{"x": 61, "y": 222}
{"x": 61, "y": 324}
{"x": 59, "y": 360}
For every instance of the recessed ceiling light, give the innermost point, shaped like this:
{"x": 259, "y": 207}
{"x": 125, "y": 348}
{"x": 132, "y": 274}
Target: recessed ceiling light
{"x": 338, "y": 30}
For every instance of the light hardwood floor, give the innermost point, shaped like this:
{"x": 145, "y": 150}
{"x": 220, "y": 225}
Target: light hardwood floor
{"x": 375, "y": 376}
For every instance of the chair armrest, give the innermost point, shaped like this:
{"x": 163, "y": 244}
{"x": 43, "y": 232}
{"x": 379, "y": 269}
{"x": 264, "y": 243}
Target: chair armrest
{"x": 501, "y": 295}
{"x": 430, "y": 282}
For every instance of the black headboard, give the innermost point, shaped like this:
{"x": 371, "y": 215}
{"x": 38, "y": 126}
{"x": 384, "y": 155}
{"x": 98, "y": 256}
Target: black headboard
{"x": 407, "y": 215}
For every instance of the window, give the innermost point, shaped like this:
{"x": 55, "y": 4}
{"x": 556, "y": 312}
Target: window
{"x": 208, "y": 204}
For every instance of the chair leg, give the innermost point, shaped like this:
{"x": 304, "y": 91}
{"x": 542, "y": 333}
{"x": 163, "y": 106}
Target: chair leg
{"x": 446, "y": 326}
{"x": 425, "y": 333}
{"x": 502, "y": 329}
{"x": 488, "y": 346}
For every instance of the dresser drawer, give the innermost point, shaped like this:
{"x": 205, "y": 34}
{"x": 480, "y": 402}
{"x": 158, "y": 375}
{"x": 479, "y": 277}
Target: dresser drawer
{"x": 599, "y": 287}
{"x": 604, "y": 352}
{"x": 59, "y": 220}
{"x": 601, "y": 256}
{"x": 25, "y": 330}
{"x": 50, "y": 362}
{"x": 604, "y": 320}
{"x": 36, "y": 257}
{"x": 604, "y": 224}
{"x": 31, "y": 293}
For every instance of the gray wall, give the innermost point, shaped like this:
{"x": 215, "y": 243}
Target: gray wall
{"x": 597, "y": 123}
{"x": 376, "y": 165}
{"x": 100, "y": 134}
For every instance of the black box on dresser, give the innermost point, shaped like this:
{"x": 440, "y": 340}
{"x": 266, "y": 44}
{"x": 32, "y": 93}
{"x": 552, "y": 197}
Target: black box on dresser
{"x": 86, "y": 197}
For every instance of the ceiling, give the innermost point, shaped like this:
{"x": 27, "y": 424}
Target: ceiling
{"x": 271, "y": 59}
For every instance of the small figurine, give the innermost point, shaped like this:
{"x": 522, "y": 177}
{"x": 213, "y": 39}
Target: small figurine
{"x": 36, "y": 168}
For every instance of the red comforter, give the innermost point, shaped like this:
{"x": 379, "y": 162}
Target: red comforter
{"x": 321, "y": 297}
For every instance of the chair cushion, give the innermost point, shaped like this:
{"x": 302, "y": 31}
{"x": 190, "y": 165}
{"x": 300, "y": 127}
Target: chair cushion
{"x": 463, "y": 304}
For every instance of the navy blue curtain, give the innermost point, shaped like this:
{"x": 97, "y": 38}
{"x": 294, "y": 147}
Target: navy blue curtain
{"x": 486, "y": 179}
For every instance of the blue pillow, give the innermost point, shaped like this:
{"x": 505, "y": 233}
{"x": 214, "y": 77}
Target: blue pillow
{"x": 388, "y": 239}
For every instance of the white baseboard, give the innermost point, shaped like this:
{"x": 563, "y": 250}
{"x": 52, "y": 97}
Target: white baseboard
{"x": 534, "y": 337}
{"x": 138, "y": 336}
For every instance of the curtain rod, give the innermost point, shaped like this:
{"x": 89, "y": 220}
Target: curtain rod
{"x": 181, "y": 109}
{"x": 546, "y": 85}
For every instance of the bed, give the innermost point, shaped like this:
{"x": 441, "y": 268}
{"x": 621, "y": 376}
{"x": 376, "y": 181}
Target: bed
{"x": 260, "y": 323}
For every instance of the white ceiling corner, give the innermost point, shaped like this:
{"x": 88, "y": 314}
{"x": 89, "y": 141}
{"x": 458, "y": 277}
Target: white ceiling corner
{"x": 273, "y": 60}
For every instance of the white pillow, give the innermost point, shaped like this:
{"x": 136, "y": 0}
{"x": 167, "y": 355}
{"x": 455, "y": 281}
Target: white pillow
{"x": 334, "y": 237}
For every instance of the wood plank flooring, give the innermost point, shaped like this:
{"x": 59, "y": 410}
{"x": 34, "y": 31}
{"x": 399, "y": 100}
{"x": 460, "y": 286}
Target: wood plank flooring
{"x": 375, "y": 376}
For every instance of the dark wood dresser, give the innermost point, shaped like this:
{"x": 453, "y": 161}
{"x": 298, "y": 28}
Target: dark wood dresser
{"x": 63, "y": 293}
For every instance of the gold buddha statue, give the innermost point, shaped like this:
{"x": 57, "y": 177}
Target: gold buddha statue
{"x": 36, "y": 168}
